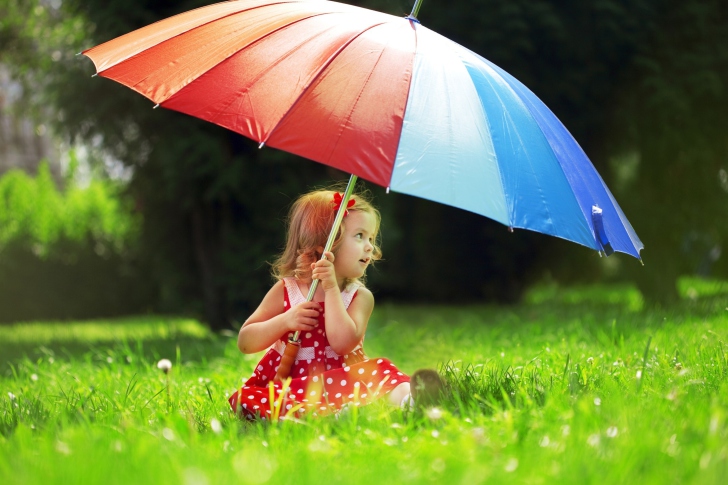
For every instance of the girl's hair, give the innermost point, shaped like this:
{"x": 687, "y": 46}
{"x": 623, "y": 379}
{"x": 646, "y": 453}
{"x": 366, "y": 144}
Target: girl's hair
{"x": 309, "y": 223}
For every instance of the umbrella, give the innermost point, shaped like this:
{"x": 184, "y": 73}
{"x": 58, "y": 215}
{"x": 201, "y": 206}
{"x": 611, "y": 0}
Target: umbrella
{"x": 381, "y": 97}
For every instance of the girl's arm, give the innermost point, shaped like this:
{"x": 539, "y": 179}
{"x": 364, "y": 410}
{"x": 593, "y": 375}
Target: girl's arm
{"x": 345, "y": 329}
{"x": 270, "y": 321}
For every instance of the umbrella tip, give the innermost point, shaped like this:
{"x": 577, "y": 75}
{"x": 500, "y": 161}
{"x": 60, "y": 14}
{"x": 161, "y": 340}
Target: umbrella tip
{"x": 387, "y": 189}
{"x": 95, "y": 74}
{"x": 262, "y": 144}
{"x": 156, "y": 106}
{"x": 510, "y": 228}
{"x": 79, "y": 53}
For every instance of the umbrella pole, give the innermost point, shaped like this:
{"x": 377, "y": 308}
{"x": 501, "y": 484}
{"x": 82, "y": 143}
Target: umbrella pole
{"x": 415, "y": 9}
{"x": 293, "y": 344}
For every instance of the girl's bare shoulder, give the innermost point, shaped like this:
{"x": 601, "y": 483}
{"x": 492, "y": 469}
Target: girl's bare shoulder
{"x": 365, "y": 295}
{"x": 272, "y": 304}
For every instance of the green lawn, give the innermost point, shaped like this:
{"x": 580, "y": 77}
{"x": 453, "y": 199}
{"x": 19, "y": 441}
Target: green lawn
{"x": 583, "y": 385}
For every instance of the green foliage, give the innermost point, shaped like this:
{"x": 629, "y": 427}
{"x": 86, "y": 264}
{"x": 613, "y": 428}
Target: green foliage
{"x": 37, "y": 215}
{"x": 670, "y": 116}
{"x": 559, "y": 390}
{"x": 37, "y": 42}
{"x": 71, "y": 252}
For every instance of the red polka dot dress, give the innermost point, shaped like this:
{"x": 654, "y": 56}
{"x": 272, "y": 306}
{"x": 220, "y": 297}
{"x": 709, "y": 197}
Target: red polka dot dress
{"x": 322, "y": 382}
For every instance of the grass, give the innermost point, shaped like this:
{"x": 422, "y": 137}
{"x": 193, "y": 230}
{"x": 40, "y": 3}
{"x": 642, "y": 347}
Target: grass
{"x": 583, "y": 385}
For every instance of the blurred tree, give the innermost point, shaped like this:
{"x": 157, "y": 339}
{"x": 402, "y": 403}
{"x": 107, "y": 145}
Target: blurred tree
{"x": 670, "y": 114}
{"x": 67, "y": 253}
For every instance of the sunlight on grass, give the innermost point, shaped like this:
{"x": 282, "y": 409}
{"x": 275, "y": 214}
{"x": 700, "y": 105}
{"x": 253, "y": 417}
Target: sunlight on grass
{"x": 624, "y": 295}
{"x": 100, "y": 331}
{"x": 693, "y": 287}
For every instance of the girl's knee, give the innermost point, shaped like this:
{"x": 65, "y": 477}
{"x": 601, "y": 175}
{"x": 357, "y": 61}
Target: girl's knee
{"x": 399, "y": 393}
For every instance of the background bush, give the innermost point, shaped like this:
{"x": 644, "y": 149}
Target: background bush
{"x": 69, "y": 252}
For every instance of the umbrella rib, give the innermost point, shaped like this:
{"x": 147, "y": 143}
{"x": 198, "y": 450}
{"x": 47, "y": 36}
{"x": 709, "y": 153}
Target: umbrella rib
{"x": 316, "y": 77}
{"x": 256, "y": 41}
{"x": 530, "y": 109}
{"x": 528, "y": 158}
{"x": 162, "y": 41}
{"x": 356, "y": 102}
{"x": 530, "y": 164}
{"x": 501, "y": 181}
{"x": 271, "y": 65}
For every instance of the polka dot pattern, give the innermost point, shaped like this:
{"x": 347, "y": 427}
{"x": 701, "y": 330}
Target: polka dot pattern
{"x": 326, "y": 392}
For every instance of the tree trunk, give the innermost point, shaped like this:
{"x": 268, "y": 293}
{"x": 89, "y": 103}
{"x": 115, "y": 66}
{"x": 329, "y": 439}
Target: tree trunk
{"x": 657, "y": 280}
{"x": 207, "y": 256}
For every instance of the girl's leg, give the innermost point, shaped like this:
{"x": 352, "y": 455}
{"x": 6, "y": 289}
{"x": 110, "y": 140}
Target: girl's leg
{"x": 399, "y": 393}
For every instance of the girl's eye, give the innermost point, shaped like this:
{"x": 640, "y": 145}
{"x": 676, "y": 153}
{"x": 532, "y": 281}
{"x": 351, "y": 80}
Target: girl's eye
{"x": 359, "y": 236}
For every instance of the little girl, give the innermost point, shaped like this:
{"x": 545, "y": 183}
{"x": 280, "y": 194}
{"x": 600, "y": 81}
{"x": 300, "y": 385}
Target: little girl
{"x": 331, "y": 369}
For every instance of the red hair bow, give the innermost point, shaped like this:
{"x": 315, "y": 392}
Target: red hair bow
{"x": 337, "y": 203}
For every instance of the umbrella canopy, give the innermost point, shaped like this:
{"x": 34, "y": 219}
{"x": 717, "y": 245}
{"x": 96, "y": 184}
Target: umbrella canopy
{"x": 378, "y": 96}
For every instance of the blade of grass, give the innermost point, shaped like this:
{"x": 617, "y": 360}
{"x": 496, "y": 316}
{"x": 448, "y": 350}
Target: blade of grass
{"x": 644, "y": 364}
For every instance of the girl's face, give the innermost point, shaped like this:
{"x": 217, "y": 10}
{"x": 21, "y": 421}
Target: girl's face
{"x": 354, "y": 253}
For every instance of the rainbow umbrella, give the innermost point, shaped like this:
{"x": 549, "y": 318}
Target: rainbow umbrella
{"x": 381, "y": 97}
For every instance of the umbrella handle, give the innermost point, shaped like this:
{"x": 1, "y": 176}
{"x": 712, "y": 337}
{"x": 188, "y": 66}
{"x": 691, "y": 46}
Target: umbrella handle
{"x": 293, "y": 344}
{"x": 287, "y": 359}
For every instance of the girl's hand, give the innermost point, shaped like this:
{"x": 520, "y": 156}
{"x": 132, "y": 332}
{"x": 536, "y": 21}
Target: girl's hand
{"x": 323, "y": 270}
{"x": 302, "y": 317}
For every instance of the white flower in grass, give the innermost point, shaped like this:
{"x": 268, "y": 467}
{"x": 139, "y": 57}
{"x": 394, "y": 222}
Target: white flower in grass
{"x": 215, "y": 425}
{"x": 639, "y": 374}
{"x": 195, "y": 476}
{"x": 434, "y": 413}
{"x": 165, "y": 365}
{"x": 511, "y": 465}
{"x": 63, "y": 448}
{"x": 11, "y": 396}
{"x": 479, "y": 435}
{"x": 593, "y": 440}
{"x": 34, "y": 377}
{"x": 597, "y": 401}
{"x": 612, "y": 432}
